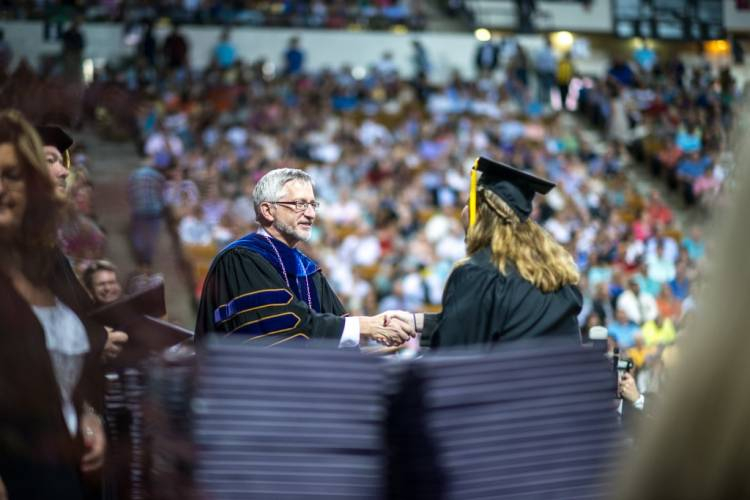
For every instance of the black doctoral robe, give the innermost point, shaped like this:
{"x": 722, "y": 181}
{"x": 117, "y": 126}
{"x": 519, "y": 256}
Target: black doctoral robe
{"x": 245, "y": 292}
{"x": 483, "y": 306}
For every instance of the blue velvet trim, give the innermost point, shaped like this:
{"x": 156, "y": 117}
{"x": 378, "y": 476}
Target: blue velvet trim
{"x": 297, "y": 265}
{"x": 252, "y": 301}
{"x": 270, "y": 325}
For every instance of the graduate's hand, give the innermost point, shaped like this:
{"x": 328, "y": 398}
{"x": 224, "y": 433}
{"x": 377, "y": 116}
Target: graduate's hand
{"x": 115, "y": 341}
{"x": 405, "y": 317}
{"x": 94, "y": 441}
{"x": 390, "y": 333}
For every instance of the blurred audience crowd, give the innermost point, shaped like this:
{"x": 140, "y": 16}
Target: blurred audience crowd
{"x": 391, "y": 157}
{"x": 331, "y": 14}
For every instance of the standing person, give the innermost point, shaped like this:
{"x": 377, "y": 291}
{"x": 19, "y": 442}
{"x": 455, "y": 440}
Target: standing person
{"x": 224, "y": 53}
{"x": 564, "y": 75}
{"x": 146, "y": 194}
{"x": 175, "y": 49}
{"x": 517, "y": 282}
{"x": 261, "y": 286}
{"x": 294, "y": 58}
{"x": 51, "y": 437}
{"x": 486, "y": 58}
{"x": 545, "y": 65}
{"x": 73, "y": 45}
{"x": 6, "y": 54}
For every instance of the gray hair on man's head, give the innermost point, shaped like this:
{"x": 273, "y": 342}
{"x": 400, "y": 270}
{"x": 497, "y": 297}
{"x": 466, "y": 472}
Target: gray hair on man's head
{"x": 270, "y": 186}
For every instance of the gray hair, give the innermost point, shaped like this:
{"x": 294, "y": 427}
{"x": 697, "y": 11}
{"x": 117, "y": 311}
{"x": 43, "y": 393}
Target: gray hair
{"x": 269, "y": 186}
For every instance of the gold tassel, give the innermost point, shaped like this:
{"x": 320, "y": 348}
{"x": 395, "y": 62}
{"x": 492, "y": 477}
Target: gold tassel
{"x": 66, "y": 161}
{"x": 473, "y": 195}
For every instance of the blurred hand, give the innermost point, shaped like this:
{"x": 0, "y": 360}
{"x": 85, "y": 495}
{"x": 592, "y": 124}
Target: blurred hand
{"x": 115, "y": 342}
{"x": 94, "y": 441}
{"x": 628, "y": 389}
{"x": 3, "y": 491}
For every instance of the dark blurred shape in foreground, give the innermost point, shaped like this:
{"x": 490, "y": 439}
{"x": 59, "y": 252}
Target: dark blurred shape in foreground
{"x": 243, "y": 422}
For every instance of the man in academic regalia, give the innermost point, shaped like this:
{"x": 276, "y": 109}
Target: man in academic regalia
{"x": 517, "y": 282}
{"x": 262, "y": 287}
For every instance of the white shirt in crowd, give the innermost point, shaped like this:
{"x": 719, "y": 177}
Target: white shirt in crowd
{"x": 638, "y": 309}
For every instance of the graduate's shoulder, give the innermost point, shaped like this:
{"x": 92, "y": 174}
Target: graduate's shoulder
{"x": 478, "y": 269}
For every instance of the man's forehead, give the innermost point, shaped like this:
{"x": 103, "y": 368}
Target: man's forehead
{"x": 298, "y": 187}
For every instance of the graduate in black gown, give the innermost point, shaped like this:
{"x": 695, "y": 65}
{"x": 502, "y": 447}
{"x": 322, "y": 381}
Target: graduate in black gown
{"x": 517, "y": 282}
{"x": 262, "y": 287}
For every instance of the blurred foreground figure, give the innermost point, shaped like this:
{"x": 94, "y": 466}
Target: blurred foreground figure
{"x": 51, "y": 438}
{"x": 699, "y": 445}
{"x": 262, "y": 287}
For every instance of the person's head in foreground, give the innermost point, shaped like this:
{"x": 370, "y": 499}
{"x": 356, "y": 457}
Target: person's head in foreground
{"x": 29, "y": 206}
{"x": 56, "y": 154}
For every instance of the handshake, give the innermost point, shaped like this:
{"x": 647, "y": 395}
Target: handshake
{"x": 391, "y": 328}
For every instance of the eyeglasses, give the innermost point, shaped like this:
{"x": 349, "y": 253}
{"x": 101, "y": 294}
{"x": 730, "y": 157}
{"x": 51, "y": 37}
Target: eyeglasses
{"x": 299, "y": 205}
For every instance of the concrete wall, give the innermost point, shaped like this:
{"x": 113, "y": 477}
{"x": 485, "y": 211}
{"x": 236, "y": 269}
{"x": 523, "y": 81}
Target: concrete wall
{"x": 324, "y": 48}
{"x": 554, "y": 16}
{"x": 736, "y": 20}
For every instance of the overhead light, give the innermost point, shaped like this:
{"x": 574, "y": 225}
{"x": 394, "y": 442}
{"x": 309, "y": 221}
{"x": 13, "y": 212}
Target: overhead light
{"x": 562, "y": 40}
{"x": 358, "y": 72}
{"x": 269, "y": 69}
{"x": 483, "y": 34}
{"x": 716, "y": 47}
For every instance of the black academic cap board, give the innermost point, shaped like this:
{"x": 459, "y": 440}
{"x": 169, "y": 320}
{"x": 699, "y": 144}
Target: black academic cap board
{"x": 533, "y": 421}
{"x": 288, "y": 423}
{"x": 137, "y": 315}
{"x": 52, "y": 135}
{"x": 514, "y": 186}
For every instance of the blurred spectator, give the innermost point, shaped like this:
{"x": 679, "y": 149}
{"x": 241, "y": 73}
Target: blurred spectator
{"x": 175, "y": 49}
{"x": 294, "y": 58}
{"x": 100, "y": 278}
{"x": 563, "y": 76}
{"x": 145, "y": 192}
{"x": 224, "y": 53}
{"x": 623, "y": 329}
{"x": 6, "y": 54}
{"x": 73, "y": 45}
{"x": 545, "y": 64}
{"x": 637, "y": 305}
{"x": 148, "y": 45}
{"x": 487, "y": 57}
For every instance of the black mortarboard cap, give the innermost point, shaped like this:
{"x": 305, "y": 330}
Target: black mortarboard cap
{"x": 514, "y": 186}
{"x": 52, "y": 135}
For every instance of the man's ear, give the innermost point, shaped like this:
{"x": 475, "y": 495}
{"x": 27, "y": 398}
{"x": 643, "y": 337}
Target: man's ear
{"x": 266, "y": 212}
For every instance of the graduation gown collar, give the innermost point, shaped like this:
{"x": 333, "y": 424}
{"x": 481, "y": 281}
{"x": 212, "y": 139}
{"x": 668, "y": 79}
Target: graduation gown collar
{"x": 297, "y": 266}
{"x": 296, "y": 263}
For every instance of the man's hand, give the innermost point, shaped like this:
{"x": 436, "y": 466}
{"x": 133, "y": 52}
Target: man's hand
{"x": 94, "y": 441}
{"x": 628, "y": 389}
{"x": 3, "y": 491}
{"x": 115, "y": 342}
{"x": 389, "y": 332}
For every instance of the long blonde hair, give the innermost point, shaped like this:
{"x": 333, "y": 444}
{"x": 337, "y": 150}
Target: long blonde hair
{"x": 538, "y": 258}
